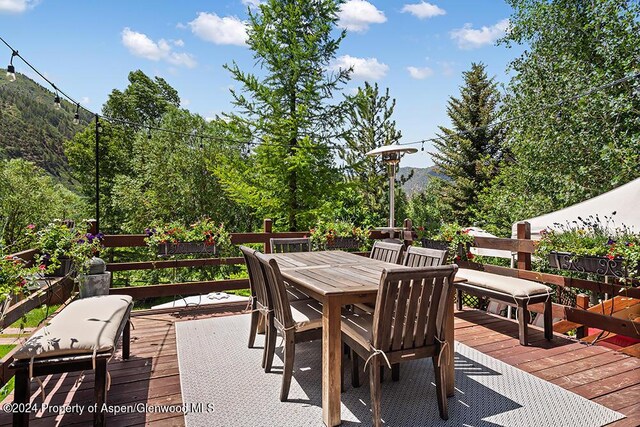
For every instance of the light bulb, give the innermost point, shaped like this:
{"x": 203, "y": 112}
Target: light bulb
{"x": 76, "y": 119}
{"x": 11, "y": 73}
{"x": 56, "y": 102}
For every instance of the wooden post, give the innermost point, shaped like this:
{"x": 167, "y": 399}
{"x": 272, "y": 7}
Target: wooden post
{"x": 268, "y": 228}
{"x": 582, "y": 302}
{"x": 93, "y": 226}
{"x": 407, "y": 232}
{"x": 524, "y": 232}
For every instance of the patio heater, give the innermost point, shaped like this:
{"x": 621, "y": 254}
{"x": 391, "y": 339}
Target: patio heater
{"x": 391, "y": 155}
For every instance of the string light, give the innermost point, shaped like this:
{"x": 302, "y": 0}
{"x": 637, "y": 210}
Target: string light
{"x": 56, "y": 101}
{"x": 76, "y": 116}
{"x": 149, "y": 133}
{"x": 11, "y": 70}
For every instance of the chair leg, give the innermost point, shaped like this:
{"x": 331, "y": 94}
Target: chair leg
{"x": 287, "y": 371}
{"x": 459, "y": 299}
{"x": 523, "y": 322}
{"x": 375, "y": 388}
{"x": 355, "y": 370}
{"x": 441, "y": 390}
{"x": 271, "y": 335}
{"x": 267, "y": 345}
{"x": 253, "y": 328}
{"x": 548, "y": 320}
{"x": 395, "y": 372}
{"x": 126, "y": 340}
{"x": 21, "y": 396}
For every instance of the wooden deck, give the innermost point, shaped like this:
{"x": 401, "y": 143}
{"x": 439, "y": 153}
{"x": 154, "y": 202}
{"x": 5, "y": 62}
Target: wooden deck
{"x": 151, "y": 375}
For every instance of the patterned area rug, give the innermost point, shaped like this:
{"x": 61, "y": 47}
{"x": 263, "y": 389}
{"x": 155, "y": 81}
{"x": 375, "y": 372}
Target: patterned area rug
{"x": 218, "y": 370}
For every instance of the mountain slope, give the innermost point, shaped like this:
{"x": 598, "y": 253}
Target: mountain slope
{"x": 32, "y": 128}
{"x": 419, "y": 180}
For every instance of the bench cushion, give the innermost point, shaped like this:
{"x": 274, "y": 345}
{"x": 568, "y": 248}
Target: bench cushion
{"x": 507, "y": 285}
{"x": 80, "y": 328}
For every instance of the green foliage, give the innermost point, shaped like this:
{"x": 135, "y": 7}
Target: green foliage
{"x": 289, "y": 108}
{"x": 31, "y": 128}
{"x": 29, "y": 196}
{"x": 468, "y": 154}
{"x": 459, "y": 239}
{"x": 427, "y": 210}
{"x": 15, "y": 276}
{"x": 204, "y": 231}
{"x": 370, "y": 126}
{"x": 563, "y": 154}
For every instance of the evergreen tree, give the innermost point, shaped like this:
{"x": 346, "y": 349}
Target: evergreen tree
{"x": 369, "y": 116}
{"x": 469, "y": 152}
{"x": 288, "y": 108}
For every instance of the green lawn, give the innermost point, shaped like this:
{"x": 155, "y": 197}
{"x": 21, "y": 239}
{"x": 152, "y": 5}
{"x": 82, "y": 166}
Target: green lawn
{"x": 8, "y": 387}
{"x": 35, "y": 316}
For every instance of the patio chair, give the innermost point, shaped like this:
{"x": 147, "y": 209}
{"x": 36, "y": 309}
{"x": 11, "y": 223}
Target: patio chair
{"x": 408, "y": 323}
{"x": 297, "y": 321}
{"x": 416, "y": 256}
{"x": 260, "y": 299}
{"x": 282, "y": 245}
{"x": 387, "y": 252}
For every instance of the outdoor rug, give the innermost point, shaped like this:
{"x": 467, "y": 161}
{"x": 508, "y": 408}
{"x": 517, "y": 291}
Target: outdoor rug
{"x": 218, "y": 369}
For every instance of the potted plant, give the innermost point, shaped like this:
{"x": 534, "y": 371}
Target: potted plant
{"x": 452, "y": 238}
{"x": 344, "y": 235}
{"x": 591, "y": 246}
{"x": 202, "y": 237}
{"x": 15, "y": 278}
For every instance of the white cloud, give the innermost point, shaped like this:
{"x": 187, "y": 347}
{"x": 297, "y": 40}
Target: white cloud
{"x": 141, "y": 45}
{"x": 85, "y": 100}
{"x": 420, "y": 73}
{"x": 225, "y": 30}
{"x": 423, "y": 10}
{"x": 253, "y": 4}
{"x": 469, "y": 38}
{"x": 357, "y": 15}
{"x": 17, "y": 6}
{"x": 363, "y": 68}
{"x": 178, "y": 43}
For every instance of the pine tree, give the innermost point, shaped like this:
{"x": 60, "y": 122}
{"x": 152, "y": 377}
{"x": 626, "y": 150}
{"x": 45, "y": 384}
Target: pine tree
{"x": 288, "y": 108}
{"x": 369, "y": 115}
{"x": 469, "y": 153}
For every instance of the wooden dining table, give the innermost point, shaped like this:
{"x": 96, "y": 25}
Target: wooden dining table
{"x": 336, "y": 279}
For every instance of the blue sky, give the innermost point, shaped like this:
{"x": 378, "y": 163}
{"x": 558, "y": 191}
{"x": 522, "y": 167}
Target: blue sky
{"x": 417, "y": 49}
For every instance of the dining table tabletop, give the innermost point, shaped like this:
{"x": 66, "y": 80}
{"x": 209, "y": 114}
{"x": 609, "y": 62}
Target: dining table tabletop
{"x": 336, "y": 279}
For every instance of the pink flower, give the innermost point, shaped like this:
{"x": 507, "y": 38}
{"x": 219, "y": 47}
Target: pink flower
{"x": 42, "y": 267}
{"x": 31, "y": 226}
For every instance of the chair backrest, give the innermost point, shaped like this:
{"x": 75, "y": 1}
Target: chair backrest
{"x": 411, "y": 307}
{"x": 256, "y": 277}
{"x": 282, "y": 245}
{"x": 277, "y": 291}
{"x": 387, "y": 252}
{"x": 416, "y": 256}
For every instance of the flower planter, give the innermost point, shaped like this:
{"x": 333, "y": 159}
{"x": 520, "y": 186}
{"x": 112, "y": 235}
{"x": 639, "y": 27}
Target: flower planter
{"x": 187, "y": 248}
{"x": 588, "y": 264}
{"x": 62, "y": 270}
{"x": 348, "y": 243}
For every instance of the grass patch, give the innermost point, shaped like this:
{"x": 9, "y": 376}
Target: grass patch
{"x": 33, "y": 318}
{"x": 8, "y": 387}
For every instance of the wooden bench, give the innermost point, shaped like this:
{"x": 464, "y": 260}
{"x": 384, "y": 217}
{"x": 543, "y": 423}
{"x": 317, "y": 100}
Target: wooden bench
{"x": 82, "y": 336}
{"x": 510, "y": 290}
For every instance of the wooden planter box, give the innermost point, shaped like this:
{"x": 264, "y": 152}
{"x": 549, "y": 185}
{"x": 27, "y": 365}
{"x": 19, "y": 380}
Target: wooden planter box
{"x": 588, "y": 264}
{"x": 344, "y": 243}
{"x": 187, "y": 248}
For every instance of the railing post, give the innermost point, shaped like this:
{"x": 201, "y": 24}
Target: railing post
{"x": 524, "y": 232}
{"x": 268, "y": 228}
{"x": 93, "y": 226}
{"x": 407, "y": 232}
{"x": 582, "y": 302}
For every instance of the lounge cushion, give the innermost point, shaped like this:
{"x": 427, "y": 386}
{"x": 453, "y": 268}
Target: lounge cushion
{"x": 513, "y": 286}
{"x": 80, "y": 328}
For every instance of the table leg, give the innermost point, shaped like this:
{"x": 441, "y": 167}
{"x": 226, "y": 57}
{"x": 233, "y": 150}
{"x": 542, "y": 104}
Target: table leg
{"x": 331, "y": 359}
{"x": 450, "y": 379}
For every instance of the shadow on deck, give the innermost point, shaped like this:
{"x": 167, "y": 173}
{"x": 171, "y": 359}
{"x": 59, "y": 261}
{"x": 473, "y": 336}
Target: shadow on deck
{"x": 151, "y": 377}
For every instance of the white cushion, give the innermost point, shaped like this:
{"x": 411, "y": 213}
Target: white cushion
{"x": 80, "y": 328}
{"x": 307, "y": 314}
{"x": 506, "y": 285}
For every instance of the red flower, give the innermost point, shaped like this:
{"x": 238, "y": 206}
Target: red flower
{"x": 470, "y": 255}
{"x": 467, "y": 231}
{"x": 42, "y": 267}
{"x": 610, "y": 256}
{"x": 458, "y": 258}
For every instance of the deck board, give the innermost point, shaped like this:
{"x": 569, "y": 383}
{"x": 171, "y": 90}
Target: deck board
{"x": 151, "y": 375}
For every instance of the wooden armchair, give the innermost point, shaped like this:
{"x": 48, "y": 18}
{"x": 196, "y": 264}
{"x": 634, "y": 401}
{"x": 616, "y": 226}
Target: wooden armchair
{"x": 408, "y": 323}
{"x": 387, "y": 252}
{"x": 282, "y": 245}
{"x": 416, "y": 256}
